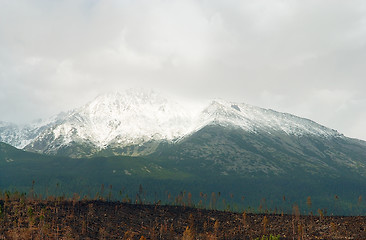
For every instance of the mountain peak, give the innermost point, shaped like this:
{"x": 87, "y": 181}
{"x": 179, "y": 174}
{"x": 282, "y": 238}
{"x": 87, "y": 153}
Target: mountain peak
{"x": 256, "y": 119}
{"x": 132, "y": 116}
{"x": 131, "y": 96}
{"x": 137, "y": 116}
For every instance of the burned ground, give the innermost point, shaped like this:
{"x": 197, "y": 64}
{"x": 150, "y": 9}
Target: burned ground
{"x": 67, "y": 219}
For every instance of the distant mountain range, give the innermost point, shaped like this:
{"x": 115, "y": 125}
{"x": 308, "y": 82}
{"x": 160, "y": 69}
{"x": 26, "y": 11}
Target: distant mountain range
{"x": 234, "y": 136}
{"x": 133, "y": 118}
{"x": 222, "y": 144}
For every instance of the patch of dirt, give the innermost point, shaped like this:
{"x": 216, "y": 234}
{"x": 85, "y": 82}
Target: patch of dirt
{"x": 25, "y": 219}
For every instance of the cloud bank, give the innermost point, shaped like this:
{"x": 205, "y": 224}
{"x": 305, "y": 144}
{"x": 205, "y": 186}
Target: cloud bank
{"x": 303, "y": 57}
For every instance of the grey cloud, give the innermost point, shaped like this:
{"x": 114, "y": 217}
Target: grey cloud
{"x": 56, "y": 55}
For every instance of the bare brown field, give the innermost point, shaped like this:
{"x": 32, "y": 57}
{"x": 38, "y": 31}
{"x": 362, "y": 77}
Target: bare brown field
{"x": 67, "y": 219}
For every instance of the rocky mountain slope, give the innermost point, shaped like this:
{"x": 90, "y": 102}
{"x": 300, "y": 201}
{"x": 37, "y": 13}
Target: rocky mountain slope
{"x": 222, "y": 137}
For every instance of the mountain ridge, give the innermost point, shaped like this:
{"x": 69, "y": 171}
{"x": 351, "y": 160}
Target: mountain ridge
{"x": 139, "y": 117}
{"x": 227, "y": 147}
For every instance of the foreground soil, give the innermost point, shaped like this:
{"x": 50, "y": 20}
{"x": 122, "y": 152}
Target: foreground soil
{"x": 25, "y": 219}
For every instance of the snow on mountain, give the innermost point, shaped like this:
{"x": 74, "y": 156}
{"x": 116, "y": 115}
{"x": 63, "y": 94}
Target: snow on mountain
{"x": 256, "y": 119}
{"x": 22, "y": 135}
{"x": 134, "y": 117}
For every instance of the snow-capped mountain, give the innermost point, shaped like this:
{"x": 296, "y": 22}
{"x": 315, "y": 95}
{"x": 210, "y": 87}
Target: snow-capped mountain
{"x": 132, "y": 117}
{"x": 255, "y": 119}
{"x": 22, "y": 135}
{"x": 233, "y": 145}
{"x": 135, "y": 117}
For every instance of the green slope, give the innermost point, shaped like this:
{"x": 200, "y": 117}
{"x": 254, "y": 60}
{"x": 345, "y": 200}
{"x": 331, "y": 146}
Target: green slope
{"x": 18, "y": 169}
{"x": 267, "y": 166}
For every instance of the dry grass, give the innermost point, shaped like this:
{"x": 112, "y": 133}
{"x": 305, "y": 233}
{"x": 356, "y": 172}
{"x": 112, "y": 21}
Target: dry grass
{"x": 22, "y": 218}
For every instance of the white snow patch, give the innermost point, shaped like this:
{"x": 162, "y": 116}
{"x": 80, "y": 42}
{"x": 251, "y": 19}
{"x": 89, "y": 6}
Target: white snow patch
{"x": 134, "y": 117}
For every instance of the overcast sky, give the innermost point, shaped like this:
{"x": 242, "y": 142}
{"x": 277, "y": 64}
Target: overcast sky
{"x": 303, "y": 57}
